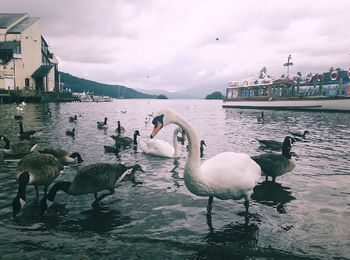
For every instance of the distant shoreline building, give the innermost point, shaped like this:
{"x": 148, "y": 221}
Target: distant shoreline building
{"x": 26, "y": 63}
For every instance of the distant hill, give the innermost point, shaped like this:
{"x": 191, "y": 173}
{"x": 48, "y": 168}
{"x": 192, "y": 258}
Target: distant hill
{"x": 173, "y": 95}
{"x": 116, "y": 91}
{"x": 215, "y": 95}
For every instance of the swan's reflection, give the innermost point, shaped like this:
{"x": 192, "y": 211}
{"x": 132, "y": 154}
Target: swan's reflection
{"x": 272, "y": 194}
{"x": 238, "y": 237}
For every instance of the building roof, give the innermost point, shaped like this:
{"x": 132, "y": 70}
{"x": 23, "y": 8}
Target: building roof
{"x": 42, "y": 71}
{"x": 20, "y": 27}
{"x": 8, "y": 45}
{"x": 6, "y": 19}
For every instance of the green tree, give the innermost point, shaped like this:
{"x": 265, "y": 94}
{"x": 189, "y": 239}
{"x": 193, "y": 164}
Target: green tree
{"x": 215, "y": 95}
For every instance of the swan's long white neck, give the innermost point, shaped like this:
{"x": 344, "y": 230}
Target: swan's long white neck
{"x": 175, "y": 143}
{"x": 193, "y": 161}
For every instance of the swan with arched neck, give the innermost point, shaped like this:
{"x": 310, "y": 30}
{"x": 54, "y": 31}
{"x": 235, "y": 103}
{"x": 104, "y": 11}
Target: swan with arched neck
{"x": 161, "y": 148}
{"x": 227, "y": 175}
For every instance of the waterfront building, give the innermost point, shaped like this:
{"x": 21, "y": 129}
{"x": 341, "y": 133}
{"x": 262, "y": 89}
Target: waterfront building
{"x": 26, "y": 62}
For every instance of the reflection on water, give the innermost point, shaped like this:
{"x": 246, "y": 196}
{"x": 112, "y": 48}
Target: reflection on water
{"x": 160, "y": 218}
{"x": 272, "y": 194}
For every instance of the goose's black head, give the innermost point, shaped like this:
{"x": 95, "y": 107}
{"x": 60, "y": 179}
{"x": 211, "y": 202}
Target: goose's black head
{"x": 136, "y": 133}
{"x": 203, "y": 143}
{"x": 306, "y": 132}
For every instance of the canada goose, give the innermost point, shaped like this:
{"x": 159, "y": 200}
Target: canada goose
{"x": 303, "y": 135}
{"x": 73, "y": 118}
{"x": 202, "y": 144}
{"x": 261, "y": 118}
{"x": 120, "y": 130}
{"x": 35, "y": 169}
{"x": 225, "y": 176}
{"x": 71, "y": 132}
{"x": 18, "y": 117}
{"x": 27, "y": 134}
{"x": 92, "y": 179}
{"x": 181, "y": 139}
{"x": 111, "y": 149}
{"x": 126, "y": 141}
{"x": 63, "y": 156}
{"x": 17, "y": 149}
{"x": 275, "y": 165}
{"x": 272, "y": 144}
{"x": 102, "y": 125}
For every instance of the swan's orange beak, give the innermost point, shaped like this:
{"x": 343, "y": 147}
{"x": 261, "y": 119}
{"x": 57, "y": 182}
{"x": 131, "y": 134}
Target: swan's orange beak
{"x": 156, "y": 129}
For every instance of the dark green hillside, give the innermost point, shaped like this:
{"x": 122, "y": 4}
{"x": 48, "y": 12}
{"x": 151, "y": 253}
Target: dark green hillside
{"x": 79, "y": 85}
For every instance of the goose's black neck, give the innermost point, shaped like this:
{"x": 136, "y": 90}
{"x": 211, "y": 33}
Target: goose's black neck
{"x": 78, "y": 156}
{"x": 7, "y": 142}
{"x": 23, "y": 180}
{"x": 135, "y": 139}
{"x": 62, "y": 185}
{"x": 20, "y": 128}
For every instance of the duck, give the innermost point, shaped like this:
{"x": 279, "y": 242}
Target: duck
{"x": 92, "y": 179}
{"x": 123, "y": 111}
{"x": 120, "y": 130}
{"x": 34, "y": 169}
{"x": 71, "y": 132}
{"x": 162, "y": 148}
{"x": 73, "y": 118}
{"x": 225, "y": 176}
{"x": 63, "y": 156}
{"x": 20, "y": 148}
{"x": 275, "y": 165}
{"x": 126, "y": 141}
{"x": 272, "y": 144}
{"x": 202, "y": 144}
{"x": 303, "y": 135}
{"x": 102, "y": 125}
{"x": 28, "y": 134}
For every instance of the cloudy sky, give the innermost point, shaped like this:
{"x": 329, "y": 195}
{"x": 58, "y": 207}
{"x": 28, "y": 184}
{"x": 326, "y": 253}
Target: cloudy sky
{"x": 172, "y": 44}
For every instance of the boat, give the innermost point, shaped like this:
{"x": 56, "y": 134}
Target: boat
{"x": 84, "y": 97}
{"x": 102, "y": 99}
{"x": 327, "y": 91}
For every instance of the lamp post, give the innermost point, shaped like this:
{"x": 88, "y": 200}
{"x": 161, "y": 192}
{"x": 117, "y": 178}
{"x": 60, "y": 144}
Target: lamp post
{"x": 288, "y": 64}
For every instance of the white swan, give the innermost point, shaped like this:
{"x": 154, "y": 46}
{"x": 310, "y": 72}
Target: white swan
{"x": 225, "y": 176}
{"x": 161, "y": 148}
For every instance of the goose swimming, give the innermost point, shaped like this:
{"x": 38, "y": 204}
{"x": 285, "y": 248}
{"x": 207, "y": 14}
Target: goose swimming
{"x": 275, "y": 165}
{"x": 20, "y": 148}
{"x": 161, "y": 148}
{"x": 102, "y": 125}
{"x": 227, "y": 175}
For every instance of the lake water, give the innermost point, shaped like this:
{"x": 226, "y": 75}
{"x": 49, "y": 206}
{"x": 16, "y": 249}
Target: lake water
{"x": 305, "y": 215}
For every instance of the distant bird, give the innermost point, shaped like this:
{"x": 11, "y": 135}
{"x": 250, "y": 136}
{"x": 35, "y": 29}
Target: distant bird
{"x": 102, "y": 125}
{"x": 126, "y": 141}
{"x": 217, "y": 38}
{"x": 73, "y": 118}
{"x": 272, "y": 144}
{"x": 35, "y": 169}
{"x": 23, "y": 104}
{"x": 18, "y": 117}
{"x": 275, "y": 165}
{"x": 202, "y": 144}
{"x": 226, "y": 176}
{"x": 181, "y": 139}
{"x": 123, "y": 111}
{"x": 63, "y": 156}
{"x": 17, "y": 149}
{"x": 300, "y": 135}
{"x": 120, "y": 130}
{"x": 261, "y": 118}
{"x": 92, "y": 179}
{"x": 28, "y": 134}
{"x": 71, "y": 132}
